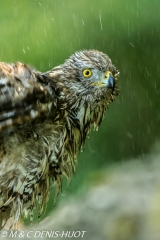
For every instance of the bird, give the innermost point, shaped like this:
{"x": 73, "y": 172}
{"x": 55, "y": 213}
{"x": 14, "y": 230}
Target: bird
{"x": 45, "y": 119}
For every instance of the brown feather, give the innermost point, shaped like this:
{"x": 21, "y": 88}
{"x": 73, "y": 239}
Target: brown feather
{"x": 44, "y": 121}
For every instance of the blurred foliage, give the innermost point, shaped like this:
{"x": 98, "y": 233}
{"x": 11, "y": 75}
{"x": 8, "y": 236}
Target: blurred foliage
{"x": 44, "y": 33}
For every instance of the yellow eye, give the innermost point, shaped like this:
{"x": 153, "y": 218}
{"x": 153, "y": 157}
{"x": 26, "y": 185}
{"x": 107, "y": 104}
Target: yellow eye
{"x": 87, "y": 72}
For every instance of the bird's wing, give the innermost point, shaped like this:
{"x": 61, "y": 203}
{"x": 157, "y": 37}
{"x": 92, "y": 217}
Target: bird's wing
{"x": 25, "y": 96}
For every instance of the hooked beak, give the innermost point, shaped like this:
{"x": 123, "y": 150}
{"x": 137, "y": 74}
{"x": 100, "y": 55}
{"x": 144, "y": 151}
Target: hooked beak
{"x": 108, "y": 81}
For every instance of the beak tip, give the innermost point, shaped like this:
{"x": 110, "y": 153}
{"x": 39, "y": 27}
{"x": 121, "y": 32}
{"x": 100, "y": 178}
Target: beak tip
{"x": 111, "y": 82}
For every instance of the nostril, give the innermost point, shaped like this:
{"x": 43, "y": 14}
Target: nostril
{"x": 108, "y": 74}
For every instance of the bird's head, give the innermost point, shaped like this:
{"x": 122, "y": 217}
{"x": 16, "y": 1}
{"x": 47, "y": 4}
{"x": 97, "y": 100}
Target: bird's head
{"x": 91, "y": 71}
{"x": 87, "y": 78}
{"x": 87, "y": 72}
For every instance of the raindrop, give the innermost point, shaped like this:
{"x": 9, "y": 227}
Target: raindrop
{"x": 147, "y": 71}
{"x": 100, "y": 22}
{"x": 113, "y": 24}
{"x": 151, "y": 102}
{"x": 45, "y": 32}
{"x": 132, "y": 44}
{"x": 129, "y": 135}
{"x": 128, "y": 29}
{"x": 155, "y": 85}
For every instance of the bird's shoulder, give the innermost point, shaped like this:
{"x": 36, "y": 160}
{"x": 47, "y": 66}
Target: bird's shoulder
{"x": 26, "y": 95}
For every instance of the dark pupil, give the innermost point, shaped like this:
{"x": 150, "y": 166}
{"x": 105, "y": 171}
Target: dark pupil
{"x": 87, "y": 72}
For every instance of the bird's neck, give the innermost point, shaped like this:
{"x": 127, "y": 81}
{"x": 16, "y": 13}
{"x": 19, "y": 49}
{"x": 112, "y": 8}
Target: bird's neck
{"x": 81, "y": 110}
{"x": 84, "y": 115}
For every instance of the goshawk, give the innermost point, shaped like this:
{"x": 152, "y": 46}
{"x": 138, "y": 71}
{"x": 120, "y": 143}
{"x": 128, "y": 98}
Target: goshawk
{"x": 44, "y": 121}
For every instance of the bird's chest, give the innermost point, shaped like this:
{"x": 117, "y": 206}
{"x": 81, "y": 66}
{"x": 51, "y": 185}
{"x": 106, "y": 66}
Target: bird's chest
{"x": 47, "y": 149}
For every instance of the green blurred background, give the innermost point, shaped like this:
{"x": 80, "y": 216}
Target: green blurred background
{"x": 45, "y": 33}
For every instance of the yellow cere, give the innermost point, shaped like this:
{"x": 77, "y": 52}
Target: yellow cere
{"x": 87, "y": 72}
{"x": 108, "y": 73}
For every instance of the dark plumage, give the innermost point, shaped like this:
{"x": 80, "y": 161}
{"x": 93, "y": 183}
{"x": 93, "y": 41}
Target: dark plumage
{"x": 44, "y": 121}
